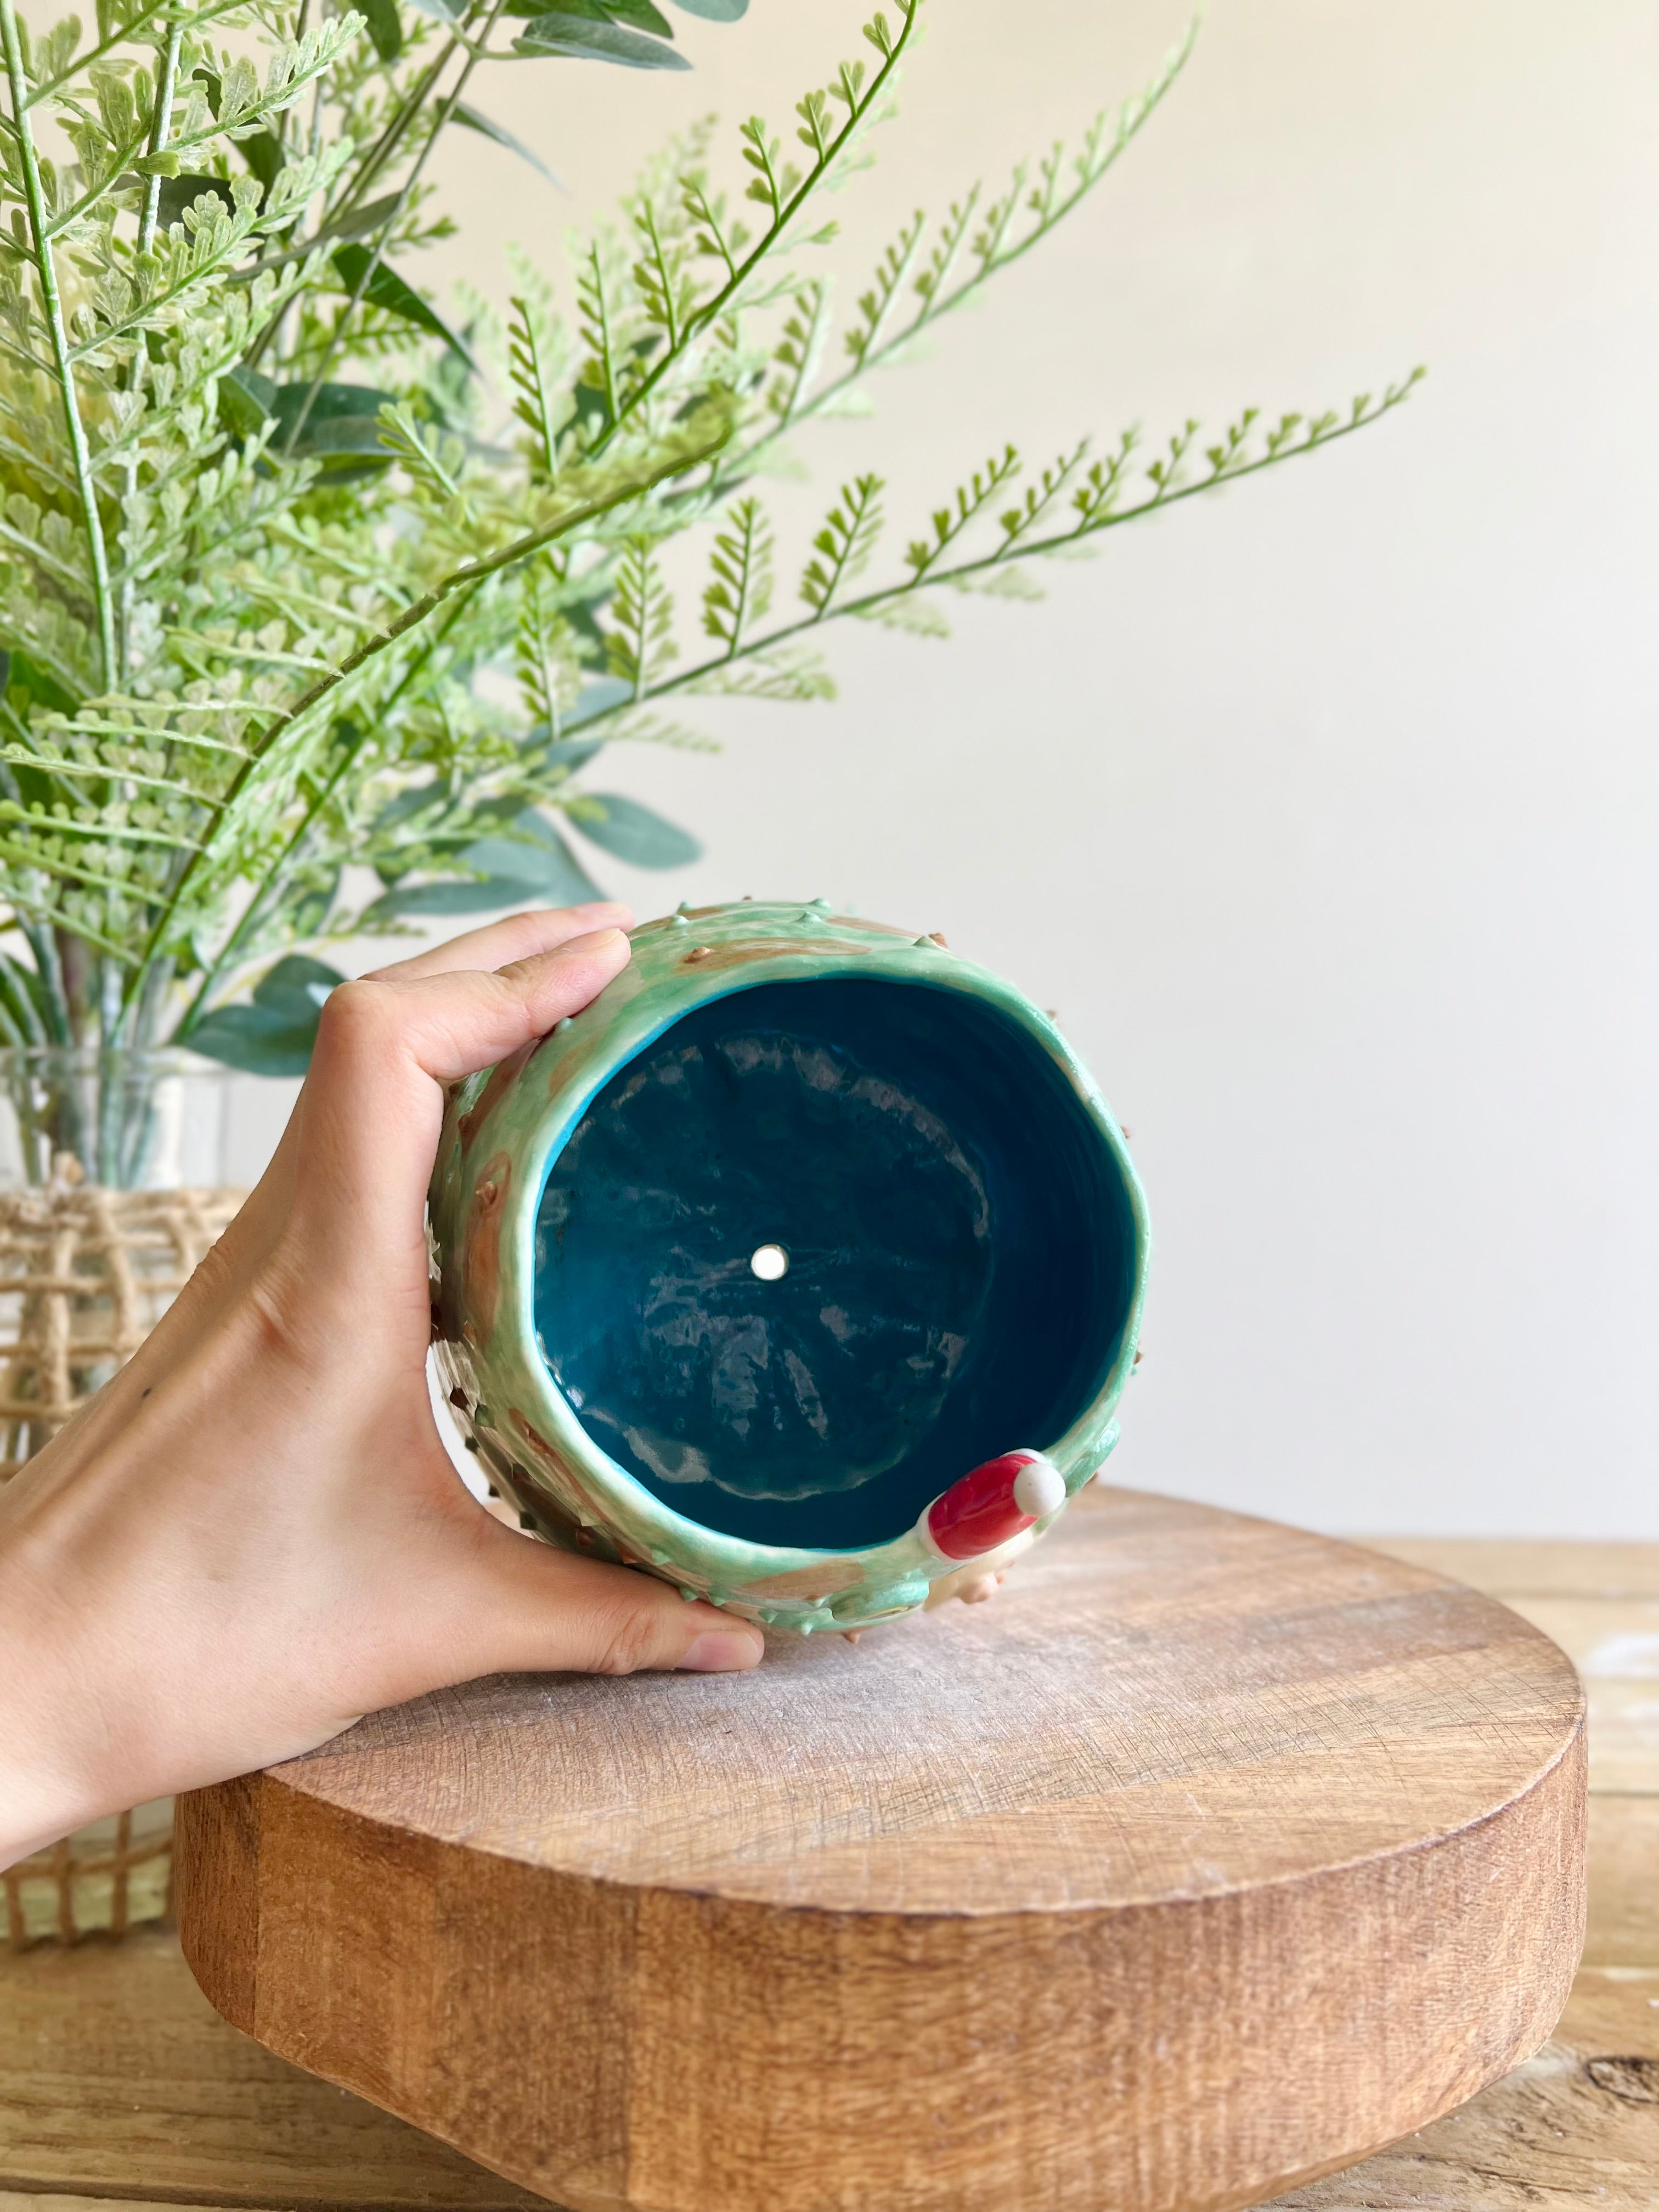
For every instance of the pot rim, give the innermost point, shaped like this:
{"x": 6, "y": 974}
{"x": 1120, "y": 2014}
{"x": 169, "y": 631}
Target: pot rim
{"x": 606, "y": 1036}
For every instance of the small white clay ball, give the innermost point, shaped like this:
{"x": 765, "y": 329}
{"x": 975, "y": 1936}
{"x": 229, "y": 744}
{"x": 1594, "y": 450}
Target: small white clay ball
{"x": 1039, "y": 1488}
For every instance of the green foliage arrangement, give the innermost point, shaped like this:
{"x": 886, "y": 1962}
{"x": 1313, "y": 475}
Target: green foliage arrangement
{"x": 295, "y": 575}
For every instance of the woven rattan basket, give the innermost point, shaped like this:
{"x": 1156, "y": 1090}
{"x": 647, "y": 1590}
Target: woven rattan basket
{"x": 85, "y": 1274}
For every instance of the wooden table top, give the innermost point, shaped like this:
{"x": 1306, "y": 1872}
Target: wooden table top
{"x": 120, "y": 2087}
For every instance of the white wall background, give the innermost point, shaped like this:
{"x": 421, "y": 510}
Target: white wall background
{"x": 1324, "y": 810}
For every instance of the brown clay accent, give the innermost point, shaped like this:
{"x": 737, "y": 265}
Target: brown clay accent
{"x": 539, "y": 1442}
{"x": 717, "y": 958}
{"x": 484, "y": 1248}
{"x": 502, "y": 1077}
{"x": 807, "y": 1582}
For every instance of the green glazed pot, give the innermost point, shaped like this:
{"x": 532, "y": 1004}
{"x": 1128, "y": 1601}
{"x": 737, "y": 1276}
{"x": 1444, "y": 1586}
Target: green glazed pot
{"x": 804, "y": 1269}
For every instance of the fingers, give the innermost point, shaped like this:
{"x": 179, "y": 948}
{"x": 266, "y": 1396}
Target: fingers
{"x": 529, "y": 1608}
{"x": 509, "y": 943}
{"x": 369, "y": 1114}
{"x": 518, "y": 937}
{"x": 451, "y": 1024}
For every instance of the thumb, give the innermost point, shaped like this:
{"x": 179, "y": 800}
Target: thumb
{"x": 523, "y": 1607}
{"x": 369, "y": 1115}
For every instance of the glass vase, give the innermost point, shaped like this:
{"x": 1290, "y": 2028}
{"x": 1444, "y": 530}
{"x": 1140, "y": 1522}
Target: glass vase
{"x": 112, "y": 1185}
{"x": 149, "y": 1119}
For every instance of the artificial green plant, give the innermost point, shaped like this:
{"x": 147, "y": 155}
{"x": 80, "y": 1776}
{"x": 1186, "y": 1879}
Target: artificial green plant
{"x": 276, "y": 529}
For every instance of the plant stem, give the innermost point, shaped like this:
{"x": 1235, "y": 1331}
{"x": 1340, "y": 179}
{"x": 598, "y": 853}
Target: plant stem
{"x": 149, "y": 1007}
{"x": 870, "y": 602}
{"x": 879, "y": 350}
{"x": 129, "y": 29}
{"x": 337, "y": 338}
{"x": 700, "y": 317}
{"x": 46, "y": 269}
{"x": 166, "y": 79}
{"x": 367, "y": 169}
{"x": 226, "y": 954}
{"x": 992, "y": 263}
{"x": 392, "y": 137}
{"x": 50, "y": 969}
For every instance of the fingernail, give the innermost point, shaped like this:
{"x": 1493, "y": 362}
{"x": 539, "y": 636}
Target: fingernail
{"x": 591, "y": 941}
{"x": 721, "y": 1651}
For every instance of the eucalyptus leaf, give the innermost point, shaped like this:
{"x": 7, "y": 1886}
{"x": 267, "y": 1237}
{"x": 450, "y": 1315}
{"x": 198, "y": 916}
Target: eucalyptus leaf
{"x": 178, "y": 193}
{"x": 255, "y": 1039}
{"x": 23, "y": 685}
{"x": 36, "y": 684}
{"x": 635, "y": 15}
{"x": 385, "y": 27}
{"x": 715, "y": 11}
{"x": 307, "y": 913}
{"x": 570, "y": 37}
{"x": 33, "y": 786}
{"x": 407, "y": 803}
{"x": 634, "y": 833}
{"x": 386, "y": 290}
{"x": 472, "y": 120}
{"x": 544, "y": 860}
{"x": 295, "y": 983}
{"x": 246, "y": 401}
{"x": 349, "y": 433}
{"x": 273, "y": 1035}
{"x": 357, "y": 222}
{"x": 534, "y": 867}
{"x": 564, "y": 756}
{"x": 342, "y": 428}
{"x": 597, "y": 699}
{"x": 334, "y": 402}
{"x": 347, "y": 449}
{"x": 263, "y": 152}
{"x": 457, "y": 896}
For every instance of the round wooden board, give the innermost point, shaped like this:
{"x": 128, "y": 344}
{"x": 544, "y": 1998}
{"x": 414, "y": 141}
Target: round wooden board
{"x": 1210, "y": 1856}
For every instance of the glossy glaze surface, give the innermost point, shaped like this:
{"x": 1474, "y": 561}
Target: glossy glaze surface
{"x": 960, "y": 1266}
{"x": 840, "y": 1203}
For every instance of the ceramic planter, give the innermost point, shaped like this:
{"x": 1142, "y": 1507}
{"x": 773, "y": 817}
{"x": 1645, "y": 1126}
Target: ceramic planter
{"x": 805, "y": 1267}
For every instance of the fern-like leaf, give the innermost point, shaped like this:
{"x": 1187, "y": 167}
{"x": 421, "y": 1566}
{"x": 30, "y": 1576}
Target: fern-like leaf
{"x": 739, "y": 590}
{"x": 844, "y": 546}
{"x": 532, "y": 365}
{"x": 640, "y": 641}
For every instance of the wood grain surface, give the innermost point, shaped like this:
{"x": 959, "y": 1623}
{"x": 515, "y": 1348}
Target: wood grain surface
{"x": 1213, "y": 1856}
{"x": 1512, "y": 1567}
{"x": 117, "y": 2079}
{"x": 119, "y": 2085}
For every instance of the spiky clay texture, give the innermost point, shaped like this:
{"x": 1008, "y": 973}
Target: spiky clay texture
{"x": 501, "y": 1131}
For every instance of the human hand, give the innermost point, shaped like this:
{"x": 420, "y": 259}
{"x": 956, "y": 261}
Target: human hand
{"x": 254, "y": 1533}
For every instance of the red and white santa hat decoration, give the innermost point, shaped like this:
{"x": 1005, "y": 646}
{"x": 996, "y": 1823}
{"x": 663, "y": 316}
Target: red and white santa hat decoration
{"x": 997, "y": 1501}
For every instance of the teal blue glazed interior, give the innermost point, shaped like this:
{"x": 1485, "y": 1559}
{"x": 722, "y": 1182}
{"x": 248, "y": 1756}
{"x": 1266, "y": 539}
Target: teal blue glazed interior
{"x": 959, "y": 1250}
